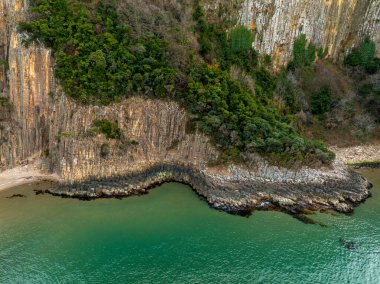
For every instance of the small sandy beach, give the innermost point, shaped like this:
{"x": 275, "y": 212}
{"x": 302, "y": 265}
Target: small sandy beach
{"x": 23, "y": 175}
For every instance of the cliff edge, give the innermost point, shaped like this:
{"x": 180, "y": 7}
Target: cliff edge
{"x": 158, "y": 144}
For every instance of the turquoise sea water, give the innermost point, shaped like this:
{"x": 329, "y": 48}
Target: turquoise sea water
{"x": 171, "y": 236}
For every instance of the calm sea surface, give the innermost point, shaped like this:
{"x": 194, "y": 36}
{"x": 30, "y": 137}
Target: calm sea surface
{"x": 171, "y": 236}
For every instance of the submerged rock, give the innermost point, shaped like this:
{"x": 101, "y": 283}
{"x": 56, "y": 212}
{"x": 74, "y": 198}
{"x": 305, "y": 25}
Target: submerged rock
{"x": 347, "y": 244}
{"x": 16, "y": 195}
{"x": 39, "y": 191}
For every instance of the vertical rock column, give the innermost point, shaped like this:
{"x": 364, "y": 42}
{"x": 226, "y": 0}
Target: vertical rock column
{"x": 26, "y": 81}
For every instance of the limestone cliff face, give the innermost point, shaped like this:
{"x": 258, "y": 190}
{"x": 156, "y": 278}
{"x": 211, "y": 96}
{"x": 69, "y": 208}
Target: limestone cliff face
{"x": 158, "y": 127}
{"x": 45, "y": 123}
{"x": 44, "y": 120}
{"x": 337, "y": 25}
{"x": 27, "y": 78}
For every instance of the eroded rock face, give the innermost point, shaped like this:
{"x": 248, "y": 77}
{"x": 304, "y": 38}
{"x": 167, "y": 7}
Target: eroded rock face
{"x": 27, "y": 78}
{"x": 45, "y": 123}
{"x": 158, "y": 127}
{"x": 335, "y": 24}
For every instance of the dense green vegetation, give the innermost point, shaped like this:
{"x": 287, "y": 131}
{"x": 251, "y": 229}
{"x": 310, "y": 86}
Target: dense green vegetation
{"x": 97, "y": 61}
{"x": 108, "y": 128}
{"x": 303, "y": 55}
{"x": 337, "y": 103}
{"x": 321, "y": 100}
{"x": 216, "y": 46}
{"x": 239, "y": 120}
{"x": 364, "y": 57}
{"x": 240, "y": 123}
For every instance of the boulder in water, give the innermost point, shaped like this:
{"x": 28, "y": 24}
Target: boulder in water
{"x": 348, "y": 244}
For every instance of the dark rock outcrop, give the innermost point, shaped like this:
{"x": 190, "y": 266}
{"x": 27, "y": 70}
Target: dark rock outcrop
{"x": 232, "y": 192}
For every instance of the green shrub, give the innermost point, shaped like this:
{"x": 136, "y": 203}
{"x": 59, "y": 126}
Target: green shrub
{"x": 265, "y": 80}
{"x": 303, "y": 55}
{"x": 4, "y": 63}
{"x": 370, "y": 98}
{"x": 104, "y": 150}
{"x": 364, "y": 57}
{"x": 288, "y": 93}
{"x": 267, "y": 59}
{"x": 321, "y": 101}
{"x": 51, "y": 95}
{"x": 45, "y": 153}
{"x": 130, "y": 143}
{"x": 322, "y": 53}
{"x": 5, "y": 105}
{"x": 234, "y": 48}
{"x": 64, "y": 135}
{"x": 240, "y": 39}
{"x": 366, "y": 89}
{"x": 108, "y": 128}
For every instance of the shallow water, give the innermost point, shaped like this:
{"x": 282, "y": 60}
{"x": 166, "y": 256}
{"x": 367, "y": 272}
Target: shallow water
{"x": 171, "y": 236}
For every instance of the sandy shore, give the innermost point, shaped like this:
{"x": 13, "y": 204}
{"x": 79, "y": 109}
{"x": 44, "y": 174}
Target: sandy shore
{"x": 23, "y": 175}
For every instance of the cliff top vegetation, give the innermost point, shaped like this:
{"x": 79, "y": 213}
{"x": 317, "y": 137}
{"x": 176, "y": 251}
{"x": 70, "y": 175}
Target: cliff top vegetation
{"x": 109, "y": 50}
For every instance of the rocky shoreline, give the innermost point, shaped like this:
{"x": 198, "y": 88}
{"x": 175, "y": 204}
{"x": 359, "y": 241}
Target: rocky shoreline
{"x": 361, "y": 155}
{"x": 235, "y": 192}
